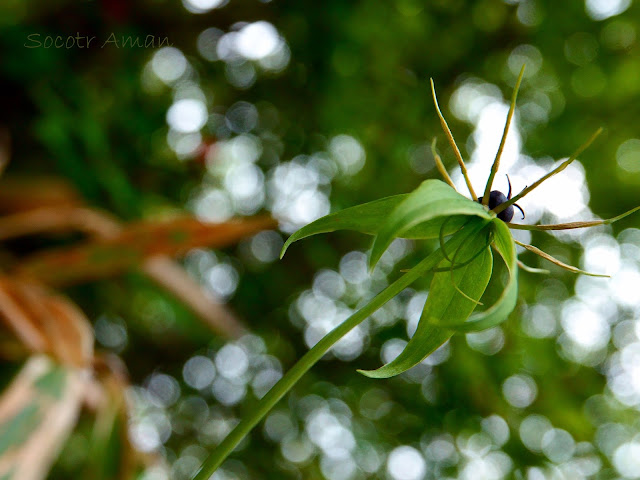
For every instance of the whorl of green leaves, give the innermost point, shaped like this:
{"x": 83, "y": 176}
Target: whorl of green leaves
{"x": 462, "y": 273}
{"x": 462, "y": 268}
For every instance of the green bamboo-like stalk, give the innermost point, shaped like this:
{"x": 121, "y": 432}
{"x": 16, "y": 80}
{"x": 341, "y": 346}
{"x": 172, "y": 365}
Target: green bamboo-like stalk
{"x": 312, "y": 356}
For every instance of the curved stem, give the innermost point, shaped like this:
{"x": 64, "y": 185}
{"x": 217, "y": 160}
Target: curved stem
{"x": 311, "y": 357}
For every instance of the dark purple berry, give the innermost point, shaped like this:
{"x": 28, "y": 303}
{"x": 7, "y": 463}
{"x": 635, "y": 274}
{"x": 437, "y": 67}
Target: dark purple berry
{"x": 496, "y": 198}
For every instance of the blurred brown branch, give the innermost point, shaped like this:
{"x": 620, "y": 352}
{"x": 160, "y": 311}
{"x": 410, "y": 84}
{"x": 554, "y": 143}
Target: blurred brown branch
{"x": 128, "y": 249}
{"x": 50, "y": 205}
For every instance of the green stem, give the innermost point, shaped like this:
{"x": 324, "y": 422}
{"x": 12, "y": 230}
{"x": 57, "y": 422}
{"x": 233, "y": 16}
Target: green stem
{"x": 312, "y": 356}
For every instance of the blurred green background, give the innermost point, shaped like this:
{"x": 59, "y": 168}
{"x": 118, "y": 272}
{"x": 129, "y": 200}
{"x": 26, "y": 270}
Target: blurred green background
{"x": 299, "y": 108}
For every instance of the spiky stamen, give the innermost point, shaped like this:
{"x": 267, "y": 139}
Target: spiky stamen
{"x": 509, "y": 196}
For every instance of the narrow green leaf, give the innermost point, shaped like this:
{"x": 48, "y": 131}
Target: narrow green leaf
{"x": 432, "y": 199}
{"x": 364, "y": 218}
{"x": 296, "y": 372}
{"x": 450, "y": 307}
{"x": 504, "y": 244}
{"x": 369, "y": 218}
{"x": 445, "y": 302}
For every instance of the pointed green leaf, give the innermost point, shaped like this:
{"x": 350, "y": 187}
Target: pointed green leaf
{"x": 432, "y": 199}
{"x": 365, "y": 218}
{"x": 445, "y": 301}
{"x": 368, "y": 218}
{"x": 503, "y": 243}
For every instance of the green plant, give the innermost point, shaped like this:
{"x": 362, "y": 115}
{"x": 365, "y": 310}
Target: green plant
{"x": 462, "y": 267}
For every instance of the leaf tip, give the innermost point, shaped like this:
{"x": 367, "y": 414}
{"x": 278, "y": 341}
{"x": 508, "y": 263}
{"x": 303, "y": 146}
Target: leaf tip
{"x": 372, "y": 266}
{"x": 374, "y": 255}
{"x": 285, "y": 247}
{"x": 371, "y": 373}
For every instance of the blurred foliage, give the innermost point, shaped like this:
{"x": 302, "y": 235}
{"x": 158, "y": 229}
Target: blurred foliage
{"x": 334, "y": 109}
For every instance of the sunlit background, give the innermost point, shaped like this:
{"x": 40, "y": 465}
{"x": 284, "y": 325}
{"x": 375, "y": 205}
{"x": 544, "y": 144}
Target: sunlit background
{"x": 301, "y": 108}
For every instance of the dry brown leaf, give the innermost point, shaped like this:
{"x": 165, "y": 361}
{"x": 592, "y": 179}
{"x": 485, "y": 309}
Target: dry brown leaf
{"x": 47, "y": 219}
{"x": 76, "y": 333}
{"x": 12, "y": 349}
{"x": 38, "y": 410}
{"x": 63, "y": 329}
{"x": 106, "y": 257}
{"x": 19, "y": 321}
{"x": 164, "y": 271}
{"x": 28, "y": 193}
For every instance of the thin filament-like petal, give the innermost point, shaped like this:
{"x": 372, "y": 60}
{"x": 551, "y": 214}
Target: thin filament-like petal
{"x": 452, "y": 142}
{"x": 440, "y": 165}
{"x": 553, "y": 172}
{"x": 529, "y": 269}
{"x": 546, "y": 256}
{"x": 503, "y": 141}
{"x": 557, "y": 226}
{"x": 572, "y": 225}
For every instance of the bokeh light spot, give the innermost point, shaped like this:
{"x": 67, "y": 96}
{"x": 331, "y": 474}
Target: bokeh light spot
{"x": 602, "y": 9}
{"x": 169, "y": 64}
{"x": 406, "y": 463}
{"x": 187, "y": 115}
